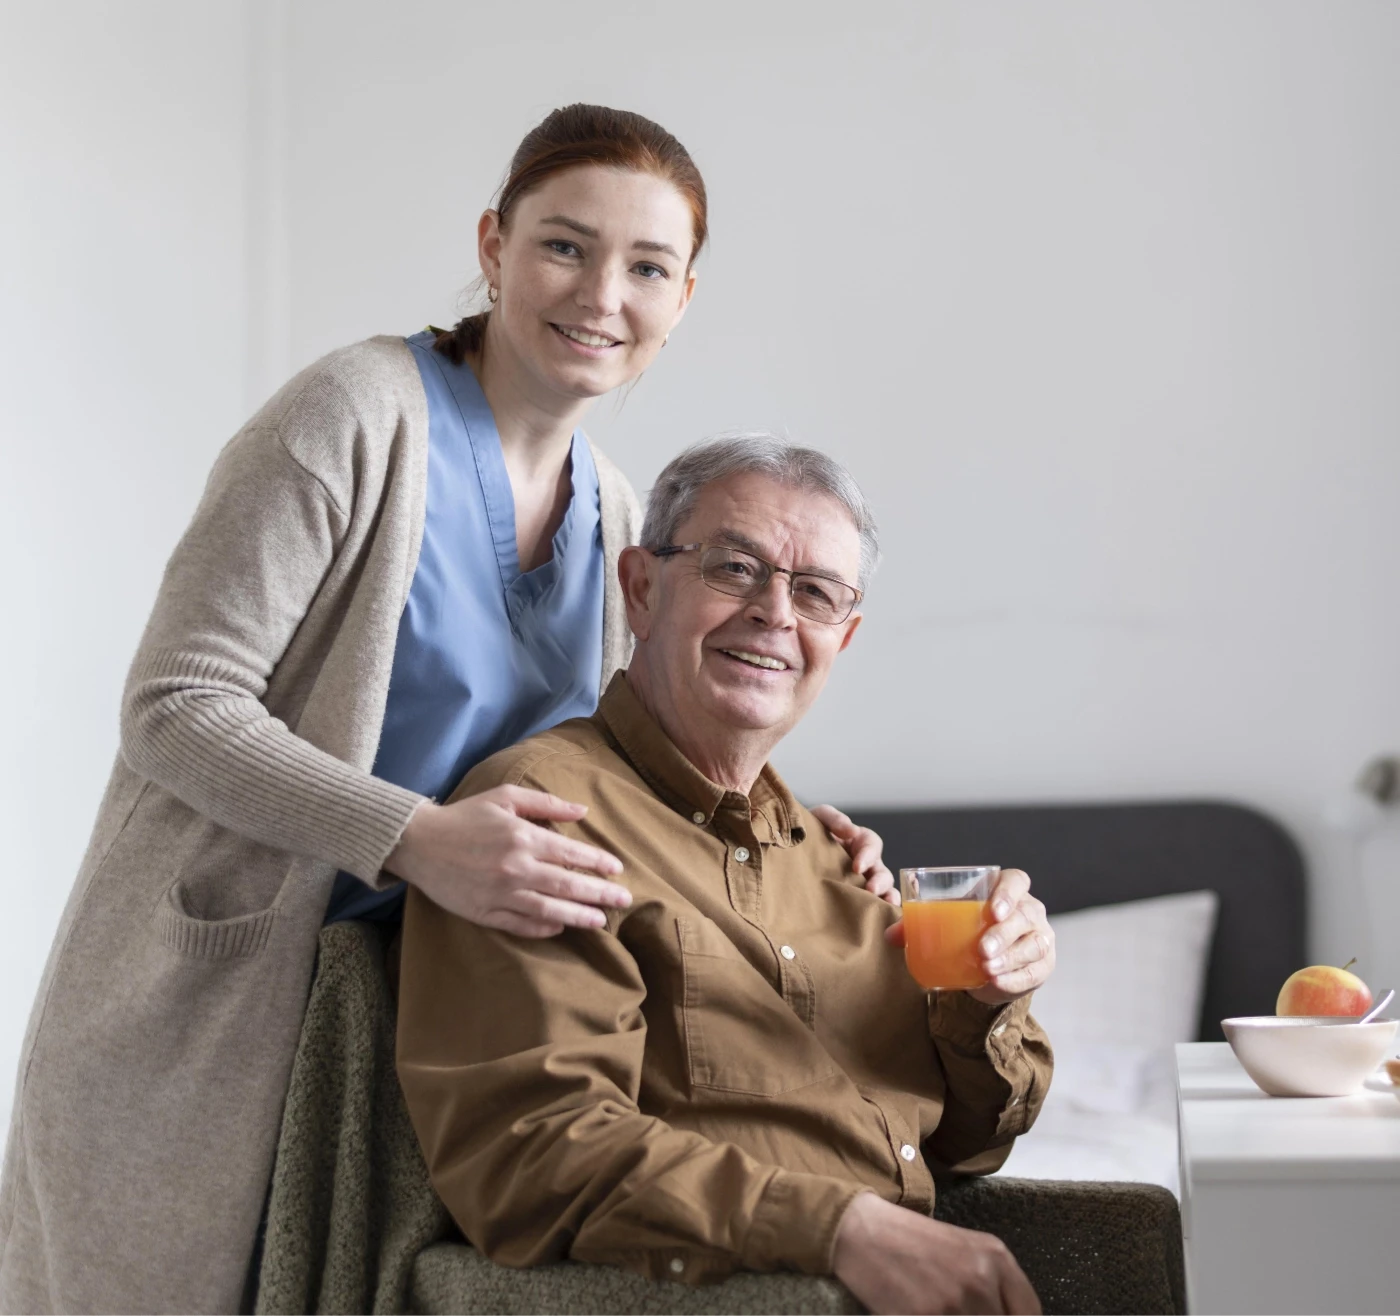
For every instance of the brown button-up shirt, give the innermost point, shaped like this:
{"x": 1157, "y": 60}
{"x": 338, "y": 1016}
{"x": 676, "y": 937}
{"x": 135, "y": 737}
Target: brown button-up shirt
{"x": 707, "y": 1082}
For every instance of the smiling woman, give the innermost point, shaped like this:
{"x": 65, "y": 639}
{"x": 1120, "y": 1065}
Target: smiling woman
{"x": 404, "y": 562}
{"x": 627, "y": 229}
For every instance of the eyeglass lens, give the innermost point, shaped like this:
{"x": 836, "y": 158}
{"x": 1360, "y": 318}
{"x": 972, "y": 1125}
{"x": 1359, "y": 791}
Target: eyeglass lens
{"x": 733, "y": 571}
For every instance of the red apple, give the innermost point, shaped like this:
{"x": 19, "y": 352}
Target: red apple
{"x": 1322, "y": 989}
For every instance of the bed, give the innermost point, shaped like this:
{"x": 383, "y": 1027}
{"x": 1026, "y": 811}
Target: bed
{"x": 1169, "y": 917}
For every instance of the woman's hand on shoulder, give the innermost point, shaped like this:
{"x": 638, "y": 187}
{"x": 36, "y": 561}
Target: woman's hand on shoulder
{"x": 484, "y": 859}
{"x": 865, "y": 848}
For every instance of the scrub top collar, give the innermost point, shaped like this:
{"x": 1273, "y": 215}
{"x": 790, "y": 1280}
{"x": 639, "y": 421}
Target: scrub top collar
{"x": 485, "y": 440}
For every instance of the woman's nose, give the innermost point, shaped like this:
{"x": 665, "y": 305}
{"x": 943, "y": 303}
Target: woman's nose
{"x": 601, "y": 291}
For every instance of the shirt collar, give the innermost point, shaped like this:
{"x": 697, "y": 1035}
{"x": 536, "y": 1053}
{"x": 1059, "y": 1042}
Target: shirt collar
{"x": 769, "y": 807}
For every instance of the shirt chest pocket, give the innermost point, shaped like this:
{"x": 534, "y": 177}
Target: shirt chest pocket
{"x": 739, "y": 1034}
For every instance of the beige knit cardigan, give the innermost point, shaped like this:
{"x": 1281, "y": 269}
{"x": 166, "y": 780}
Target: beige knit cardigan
{"x": 153, "y": 1075}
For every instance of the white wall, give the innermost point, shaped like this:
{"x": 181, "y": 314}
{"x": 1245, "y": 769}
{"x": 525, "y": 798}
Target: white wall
{"x": 1097, "y": 300}
{"x": 123, "y": 328}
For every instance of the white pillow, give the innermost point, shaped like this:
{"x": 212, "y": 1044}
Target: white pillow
{"x": 1129, "y": 975}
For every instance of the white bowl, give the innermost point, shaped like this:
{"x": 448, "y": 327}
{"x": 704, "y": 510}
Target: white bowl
{"x": 1308, "y": 1055}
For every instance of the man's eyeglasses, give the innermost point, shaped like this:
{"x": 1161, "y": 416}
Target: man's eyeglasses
{"x": 732, "y": 571}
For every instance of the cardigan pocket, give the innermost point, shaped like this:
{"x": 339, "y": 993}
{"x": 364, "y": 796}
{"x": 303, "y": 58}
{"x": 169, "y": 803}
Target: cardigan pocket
{"x": 211, "y": 939}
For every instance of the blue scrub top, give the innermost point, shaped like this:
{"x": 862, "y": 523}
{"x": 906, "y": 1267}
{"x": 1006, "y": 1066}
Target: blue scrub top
{"x": 485, "y": 656}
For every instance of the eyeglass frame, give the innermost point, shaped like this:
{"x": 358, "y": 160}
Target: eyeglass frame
{"x": 670, "y": 550}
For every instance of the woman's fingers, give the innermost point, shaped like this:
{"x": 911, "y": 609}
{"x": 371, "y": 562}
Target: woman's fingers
{"x": 527, "y": 803}
{"x": 542, "y": 908}
{"x": 836, "y": 822}
{"x": 550, "y": 847}
{"x": 864, "y": 847}
{"x": 507, "y": 920}
{"x": 564, "y": 884}
{"x": 485, "y": 859}
{"x": 881, "y": 883}
{"x": 866, "y": 862}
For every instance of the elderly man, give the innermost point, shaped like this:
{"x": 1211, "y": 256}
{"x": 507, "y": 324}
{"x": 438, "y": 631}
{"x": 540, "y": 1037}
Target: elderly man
{"x": 735, "y": 1070}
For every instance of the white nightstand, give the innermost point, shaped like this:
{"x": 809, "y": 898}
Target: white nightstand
{"x": 1287, "y": 1204}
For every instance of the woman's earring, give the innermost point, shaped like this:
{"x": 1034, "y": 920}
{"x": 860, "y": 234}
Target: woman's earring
{"x": 492, "y": 294}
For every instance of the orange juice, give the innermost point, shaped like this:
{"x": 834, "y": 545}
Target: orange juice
{"x": 940, "y": 942}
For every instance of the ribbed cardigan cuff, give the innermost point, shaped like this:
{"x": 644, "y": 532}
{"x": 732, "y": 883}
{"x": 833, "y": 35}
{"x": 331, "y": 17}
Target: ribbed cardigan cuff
{"x": 190, "y": 725}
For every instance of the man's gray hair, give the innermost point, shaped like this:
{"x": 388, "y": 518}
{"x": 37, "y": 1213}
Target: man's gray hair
{"x": 674, "y": 494}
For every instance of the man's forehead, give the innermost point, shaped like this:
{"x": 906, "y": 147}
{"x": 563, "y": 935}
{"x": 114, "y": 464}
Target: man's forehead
{"x": 803, "y": 529}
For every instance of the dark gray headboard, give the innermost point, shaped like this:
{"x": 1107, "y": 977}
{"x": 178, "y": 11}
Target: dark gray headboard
{"x": 1103, "y": 854}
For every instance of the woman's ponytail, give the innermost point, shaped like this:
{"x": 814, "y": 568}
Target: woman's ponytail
{"x": 464, "y": 339}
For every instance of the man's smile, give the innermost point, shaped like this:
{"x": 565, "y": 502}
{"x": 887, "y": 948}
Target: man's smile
{"x": 752, "y": 659}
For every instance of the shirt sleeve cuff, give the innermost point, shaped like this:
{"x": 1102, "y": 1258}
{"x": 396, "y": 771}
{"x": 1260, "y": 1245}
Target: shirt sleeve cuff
{"x": 969, "y": 1025}
{"x": 794, "y": 1226}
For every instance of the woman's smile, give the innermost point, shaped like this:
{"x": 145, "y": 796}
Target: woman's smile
{"x": 588, "y": 342}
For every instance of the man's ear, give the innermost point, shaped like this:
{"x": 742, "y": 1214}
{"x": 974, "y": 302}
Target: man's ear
{"x": 851, "y": 623}
{"x": 635, "y": 573}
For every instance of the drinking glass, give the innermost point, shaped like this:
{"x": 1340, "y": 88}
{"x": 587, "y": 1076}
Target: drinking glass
{"x": 945, "y": 915}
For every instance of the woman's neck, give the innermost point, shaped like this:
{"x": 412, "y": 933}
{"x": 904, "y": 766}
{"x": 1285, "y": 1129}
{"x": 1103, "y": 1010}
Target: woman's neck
{"x": 536, "y": 440}
{"x": 536, "y": 429}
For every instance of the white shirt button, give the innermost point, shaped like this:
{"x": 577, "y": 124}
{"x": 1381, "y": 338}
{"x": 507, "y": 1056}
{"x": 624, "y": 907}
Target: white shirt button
{"x": 697, "y": 817}
{"x": 677, "y": 1265}
{"x": 998, "y": 1030}
{"x": 741, "y": 855}
{"x": 907, "y": 1152}
{"x": 787, "y": 953}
